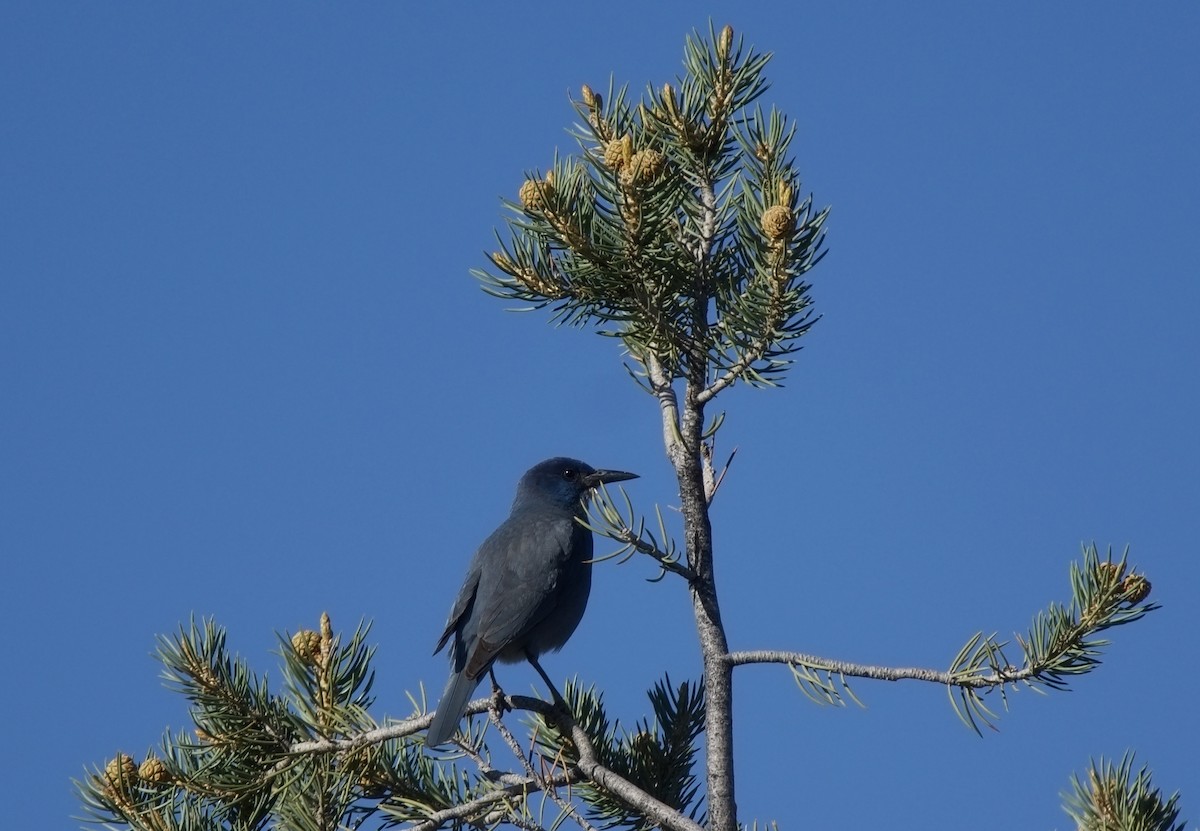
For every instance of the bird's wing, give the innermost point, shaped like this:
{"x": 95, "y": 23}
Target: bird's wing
{"x": 461, "y": 611}
{"x": 522, "y": 567}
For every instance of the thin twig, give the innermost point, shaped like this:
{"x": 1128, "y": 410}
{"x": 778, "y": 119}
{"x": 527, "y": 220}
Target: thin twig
{"x": 878, "y": 673}
{"x": 626, "y": 536}
{"x": 605, "y": 778}
{"x": 399, "y": 730}
{"x": 751, "y": 353}
{"x": 476, "y": 806}
{"x": 721, "y": 477}
{"x": 544, "y": 782}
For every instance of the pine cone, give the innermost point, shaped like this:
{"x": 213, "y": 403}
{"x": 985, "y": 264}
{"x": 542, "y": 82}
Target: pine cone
{"x": 1110, "y": 573}
{"x": 307, "y": 644}
{"x": 121, "y": 774}
{"x": 778, "y": 223}
{"x": 646, "y": 164}
{"x": 614, "y": 154}
{"x": 589, "y": 97}
{"x": 153, "y": 772}
{"x": 1136, "y": 588}
{"x": 534, "y": 193}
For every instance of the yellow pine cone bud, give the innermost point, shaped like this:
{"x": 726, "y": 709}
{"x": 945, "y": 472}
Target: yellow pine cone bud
{"x": 1102, "y": 794}
{"x": 668, "y": 94}
{"x": 589, "y": 97}
{"x": 1109, "y": 573}
{"x": 121, "y": 774}
{"x": 504, "y": 262}
{"x": 538, "y": 284}
{"x": 327, "y": 632}
{"x": 778, "y": 223}
{"x": 153, "y": 771}
{"x": 535, "y": 194}
{"x": 307, "y": 644}
{"x": 724, "y": 42}
{"x": 1136, "y": 588}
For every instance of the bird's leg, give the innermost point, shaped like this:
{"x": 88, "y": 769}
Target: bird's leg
{"x": 498, "y": 700}
{"x": 558, "y": 699}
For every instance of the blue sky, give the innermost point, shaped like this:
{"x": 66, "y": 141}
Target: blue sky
{"x": 246, "y": 375}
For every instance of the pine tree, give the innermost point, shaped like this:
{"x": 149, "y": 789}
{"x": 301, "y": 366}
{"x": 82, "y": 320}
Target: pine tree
{"x": 678, "y": 227}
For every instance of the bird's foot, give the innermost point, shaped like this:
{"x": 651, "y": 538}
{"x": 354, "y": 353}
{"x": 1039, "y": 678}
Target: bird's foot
{"x": 499, "y": 699}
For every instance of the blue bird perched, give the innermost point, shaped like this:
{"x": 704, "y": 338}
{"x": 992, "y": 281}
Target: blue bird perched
{"x": 526, "y": 587}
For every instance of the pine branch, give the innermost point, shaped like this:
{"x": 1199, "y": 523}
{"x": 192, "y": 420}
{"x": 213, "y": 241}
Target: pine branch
{"x": 583, "y": 753}
{"x": 605, "y": 518}
{"x": 680, "y": 206}
{"x": 1062, "y": 642}
{"x": 544, "y": 784}
{"x": 490, "y": 807}
{"x": 586, "y": 757}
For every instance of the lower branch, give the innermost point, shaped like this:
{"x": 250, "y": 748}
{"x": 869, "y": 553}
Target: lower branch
{"x": 653, "y": 809}
{"x": 588, "y": 765}
{"x": 379, "y": 735}
{"x": 877, "y": 673}
{"x": 496, "y": 801}
{"x": 548, "y": 785}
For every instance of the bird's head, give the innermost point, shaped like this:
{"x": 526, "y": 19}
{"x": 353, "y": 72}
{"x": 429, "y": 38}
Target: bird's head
{"x": 563, "y": 481}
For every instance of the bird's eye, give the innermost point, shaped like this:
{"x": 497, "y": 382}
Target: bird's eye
{"x": 570, "y": 474}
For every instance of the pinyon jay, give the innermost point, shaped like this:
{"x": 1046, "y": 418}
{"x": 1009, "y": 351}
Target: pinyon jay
{"x": 526, "y": 587}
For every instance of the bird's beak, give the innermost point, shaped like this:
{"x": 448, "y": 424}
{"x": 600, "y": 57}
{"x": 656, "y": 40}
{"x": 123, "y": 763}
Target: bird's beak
{"x": 607, "y": 477}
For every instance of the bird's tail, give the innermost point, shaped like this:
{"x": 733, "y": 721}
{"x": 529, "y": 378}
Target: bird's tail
{"x": 450, "y": 708}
